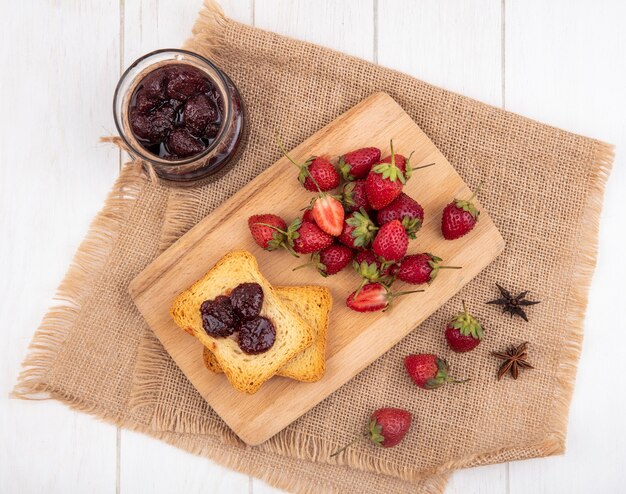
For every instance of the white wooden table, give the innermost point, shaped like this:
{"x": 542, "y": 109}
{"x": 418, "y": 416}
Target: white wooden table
{"x": 559, "y": 61}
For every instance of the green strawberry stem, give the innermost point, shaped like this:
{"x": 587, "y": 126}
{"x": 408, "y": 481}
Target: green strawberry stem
{"x": 476, "y": 190}
{"x": 449, "y": 267}
{"x": 283, "y": 244}
{"x": 306, "y": 264}
{"x": 343, "y": 448}
{"x": 301, "y": 167}
{"x": 451, "y": 380}
{"x": 423, "y": 166}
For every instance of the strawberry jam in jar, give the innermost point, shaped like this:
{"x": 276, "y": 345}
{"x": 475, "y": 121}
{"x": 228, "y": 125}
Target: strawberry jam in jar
{"x": 177, "y": 111}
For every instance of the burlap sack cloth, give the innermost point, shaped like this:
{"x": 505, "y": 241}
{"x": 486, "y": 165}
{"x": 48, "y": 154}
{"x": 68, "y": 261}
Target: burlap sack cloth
{"x": 543, "y": 188}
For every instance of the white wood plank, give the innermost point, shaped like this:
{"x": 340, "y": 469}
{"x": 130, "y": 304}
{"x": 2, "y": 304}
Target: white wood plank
{"x": 347, "y": 26}
{"x": 54, "y": 176}
{"x": 148, "y": 465}
{"x": 565, "y": 65}
{"x": 453, "y": 44}
{"x": 490, "y": 479}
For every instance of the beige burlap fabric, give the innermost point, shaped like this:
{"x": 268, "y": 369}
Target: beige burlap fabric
{"x": 543, "y": 189}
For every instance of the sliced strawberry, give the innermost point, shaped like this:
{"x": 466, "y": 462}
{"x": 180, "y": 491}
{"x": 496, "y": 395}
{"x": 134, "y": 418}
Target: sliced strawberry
{"x": 373, "y": 297}
{"x": 328, "y": 214}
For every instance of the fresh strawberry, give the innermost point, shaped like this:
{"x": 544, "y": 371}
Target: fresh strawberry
{"x": 322, "y": 172}
{"x": 384, "y": 183}
{"x": 428, "y": 371}
{"x": 391, "y": 241}
{"x": 420, "y": 268}
{"x": 266, "y": 230}
{"x": 328, "y": 214}
{"x": 387, "y": 426}
{"x": 330, "y": 260}
{"x": 405, "y": 209}
{"x": 316, "y": 174}
{"x": 308, "y": 215}
{"x": 371, "y": 269}
{"x": 358, "y": 230}
{"x": 459, "y": 218}
{"x": 464, "y": 332}
{"x": 373, "y": 297}
{"x": 403, "y": 164}
{"x": 354, "y": 196}
{"x": 357, "y": 164}
{"x": 309, "y": 238}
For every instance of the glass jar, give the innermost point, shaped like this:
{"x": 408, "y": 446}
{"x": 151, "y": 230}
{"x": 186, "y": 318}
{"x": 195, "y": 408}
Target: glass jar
{"x": 226, "y": 134}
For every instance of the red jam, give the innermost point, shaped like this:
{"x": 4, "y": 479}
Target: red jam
{"x": 175, "y": 112}
{"x": 240, "y": 313}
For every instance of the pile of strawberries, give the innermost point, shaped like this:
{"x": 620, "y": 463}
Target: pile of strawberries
{"x": 369, "y": 224}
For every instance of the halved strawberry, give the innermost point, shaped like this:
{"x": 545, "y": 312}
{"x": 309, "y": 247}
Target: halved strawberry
{"x": 373, "y": 297}
{"x": 328, "y": 214}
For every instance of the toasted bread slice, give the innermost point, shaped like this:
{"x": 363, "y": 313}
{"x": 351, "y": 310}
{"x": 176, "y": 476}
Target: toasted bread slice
{"x": 245, "y": 372}
{"x": 313, "y": 303}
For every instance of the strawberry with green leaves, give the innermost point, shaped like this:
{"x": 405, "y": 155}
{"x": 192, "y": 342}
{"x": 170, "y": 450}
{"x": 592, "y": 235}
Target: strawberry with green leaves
{"x": 330, "y": 260}
{"x": 384, "y": 182}
{"x": 464, "y": 332}
{"x": 428, "y": 371}
{"x": 418, "y": 269}
{"x": 386, "y": 428}
{"x": 358, "y": 230}
{"x": 266, "y": 230}
{"x": 459, "y": 217}
{"x": 354, "y": 197}
{"x": 371, "y": 269}
{"x": 405, "y": 209}
{"x": 357, "y": 164}
{"x": 316, "y": 174}
{"x": 373, "y": 297}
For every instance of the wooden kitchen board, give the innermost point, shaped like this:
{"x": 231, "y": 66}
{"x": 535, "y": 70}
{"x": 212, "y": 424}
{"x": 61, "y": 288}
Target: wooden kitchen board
{"x": 354, "y": 340}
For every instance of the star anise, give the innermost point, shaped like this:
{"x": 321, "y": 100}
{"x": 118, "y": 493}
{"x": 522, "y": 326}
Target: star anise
{"x": 513, "y": 305}
{"x": 514, "y": 358}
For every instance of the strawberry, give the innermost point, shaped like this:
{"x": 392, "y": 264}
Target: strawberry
{"x": 403, "y": 164}
{"x": 308, "y": 215}
{"x": 459, "y": 217}
{"x": 354, "y": 196}
{"x": 391, "y": 241}
{"x": 357, "y": 164}
{"x": 328, "y": 214}
{"x": 405, "y": 209}
{"x": 428, "y": 371}
{"x": 420, "y": 268}
{"x": 308, "y": 238}
{"x": 265, "y": 229}
{"x": 387, "y": 426}
{"x": 330, "y": 260}
{"x": 373, "y": 297}
{"x": 316, "y": 174}
{"x": 319, "y": 175}
{"x": 464, "y": 332}
{"x": 358, "y": 230}
{"x": 384, "y": 183}
{"x": 371, "y": 269}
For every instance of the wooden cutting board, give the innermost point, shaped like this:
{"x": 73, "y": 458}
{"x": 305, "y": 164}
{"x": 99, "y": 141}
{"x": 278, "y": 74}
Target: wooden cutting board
{"x": 354, "y": 340}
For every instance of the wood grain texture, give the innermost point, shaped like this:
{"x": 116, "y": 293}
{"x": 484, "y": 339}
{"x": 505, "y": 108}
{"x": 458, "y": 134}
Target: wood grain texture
{"x": 59, "y": 99}
{"x": 354, "y": 340}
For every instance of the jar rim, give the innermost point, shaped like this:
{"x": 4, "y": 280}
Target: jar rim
{"x": 225, "y": 121}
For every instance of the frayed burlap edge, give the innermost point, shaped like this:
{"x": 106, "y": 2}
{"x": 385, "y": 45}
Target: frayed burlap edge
{"x": 182, "y": 215}
{"x": 86, "y": 267}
